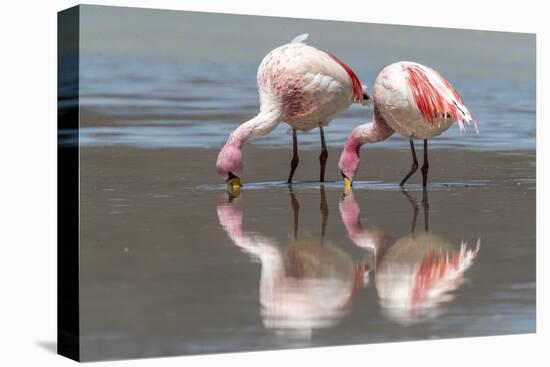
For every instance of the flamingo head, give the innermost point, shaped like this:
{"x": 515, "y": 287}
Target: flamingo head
{"x": 349, "y": 162}
{"x": 229, "y": 166}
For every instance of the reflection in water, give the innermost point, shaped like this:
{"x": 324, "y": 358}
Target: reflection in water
{"x": 310, "y": 283}
{"x": 415, "y": 274}
{"x": 306, "y": 285}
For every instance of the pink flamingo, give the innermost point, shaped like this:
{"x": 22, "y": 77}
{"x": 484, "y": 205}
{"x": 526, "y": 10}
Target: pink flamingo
{"x": 414, "y": 275}
{"x": 305, "y": 285}
{"x": 302, "y": 86}
{"x": 414, "y": 100}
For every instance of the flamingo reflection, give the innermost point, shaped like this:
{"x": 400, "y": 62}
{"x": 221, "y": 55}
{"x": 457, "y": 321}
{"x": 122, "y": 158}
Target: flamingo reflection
{"x": 306, "y": 285}
{"x": 416, "y": 274}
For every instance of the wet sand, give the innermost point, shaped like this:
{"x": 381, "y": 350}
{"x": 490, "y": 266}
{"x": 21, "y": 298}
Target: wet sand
{"x": 167, "y": 268}
{"x": 193, "y": 167}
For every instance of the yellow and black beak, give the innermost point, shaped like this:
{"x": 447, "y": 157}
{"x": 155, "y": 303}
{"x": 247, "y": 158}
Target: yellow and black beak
{"x": 233, "y": 183}
{"x": 347, "y": 183}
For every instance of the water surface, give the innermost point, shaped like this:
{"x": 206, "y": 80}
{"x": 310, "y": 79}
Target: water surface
{"x": 154, "y": 79}
{"x": 173, "y": 265}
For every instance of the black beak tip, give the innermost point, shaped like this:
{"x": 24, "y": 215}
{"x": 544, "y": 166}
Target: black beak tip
{"x": 230, "y": 176}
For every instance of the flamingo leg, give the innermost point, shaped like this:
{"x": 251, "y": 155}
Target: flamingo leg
{"x": 296, "y": 212}
{"x": 324, "y": 154}
{"x": 295, "y": 159}
{"x": 414, "y": 206}
{"x": 425, "y": 166}
{"x": 414, "y": 166}
{"x": 426, "y": 207}
{"x": 324, "y": 212}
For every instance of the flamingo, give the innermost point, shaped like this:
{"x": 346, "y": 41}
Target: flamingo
{"x": 414, "y": 100}
{"x": 305, "y": 285}
{"x": 414, "y": 275}
{"x": 301, "y": 86}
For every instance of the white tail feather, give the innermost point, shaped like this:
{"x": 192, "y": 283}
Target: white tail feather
{"x": 301, "y": 38}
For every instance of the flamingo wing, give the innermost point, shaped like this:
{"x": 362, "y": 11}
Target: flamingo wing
{"x": 435, "y": 97}
{"x": 357, "y": 86}
{"x": 440, "y": 273}
{"x": 307, "y": 82}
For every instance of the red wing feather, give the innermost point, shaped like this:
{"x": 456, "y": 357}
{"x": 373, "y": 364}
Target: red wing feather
{"x": 430, "y": 99}
{"x": 433, "y": 268}
{"x": 357, "y": 87}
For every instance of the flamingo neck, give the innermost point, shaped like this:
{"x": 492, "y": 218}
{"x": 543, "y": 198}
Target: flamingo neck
{"x": 372, "y": 132}
{"x": 368, "y": 238}
{"x": 258, "y": 126}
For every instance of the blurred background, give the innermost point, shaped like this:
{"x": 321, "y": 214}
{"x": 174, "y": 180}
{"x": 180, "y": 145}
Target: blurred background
{"x": 155, "y": 78}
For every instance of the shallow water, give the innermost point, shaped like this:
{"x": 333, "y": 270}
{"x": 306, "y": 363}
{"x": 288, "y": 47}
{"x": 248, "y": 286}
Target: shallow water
{"x": 357, "y": 185}
{"x": 160, "y": 104}
{"x": 173, "y": 265}
{"x": 154, "y": 79}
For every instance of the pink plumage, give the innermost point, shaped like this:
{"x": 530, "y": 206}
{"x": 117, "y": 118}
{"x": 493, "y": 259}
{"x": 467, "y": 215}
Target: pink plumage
{"x": 357, "y": 86}
{"x": 416, "y": 102}
{"x": 434, "y": 96}
{"x": 414, "y": 274}
{"x": 302, "y": 86}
